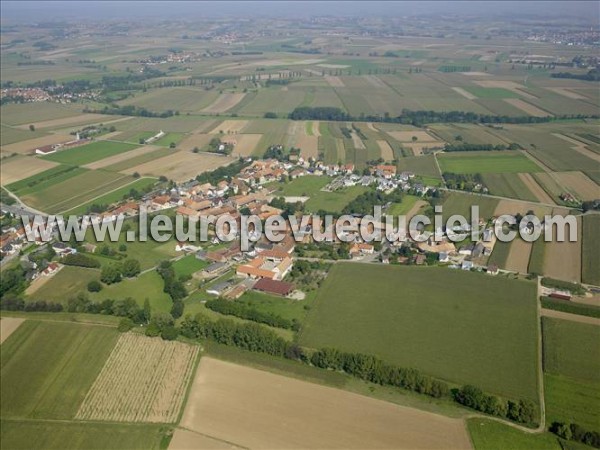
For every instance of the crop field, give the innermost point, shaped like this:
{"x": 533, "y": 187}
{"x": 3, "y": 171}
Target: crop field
{"x": 75, "y": 191}
{"x": 508, "y": 185}
{"x": 79, "y": 120}
{"x": 419, "y": 165}
{"x": 17, "y": 168}
{"x": 28, "y": 146}
{"x": 181, "y": 165}
{"x": 539, "y": 194}
{"x": 461, "y": 204}
{"x": 8, "y": 326}
{"x": 571, "y": 350}
{"x": 572, "y": 401}
{"x": 121, "y": 157}
{"x": 488, "y": 434}
{"x": 500, "y": 359}
{"x": 33, "y": 435}
{"x": 473, "y": 134}
{"x": 242, "y": 406}
{"x": 245, "y": 144}
{"x": 67, "y": 283}
{"x": 183, "y": 99}
{"x": 45, "y": 179}
{"x": 143, "y": 380}
{"x": 11, "y": 134}
{"x": 26, "y": 113}
{"x": 89, "y": 153}
{"x": 486, "y": 162}
{"x": 223, "y": 103}
{"x": 590, "y": 249}
{"x": 61, "y": 361}
{"x": 333, "y": 201}
{"x": 581, "y": 185}
{"x": 134, "y": 160}
{"x": 562, "y": 260}
{"x": 517, "y": 259}
{"x": 272, "y": 100}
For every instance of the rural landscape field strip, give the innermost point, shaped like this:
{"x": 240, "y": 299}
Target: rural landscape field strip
{"x": 143, "y": 380}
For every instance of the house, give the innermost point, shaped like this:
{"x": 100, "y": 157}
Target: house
{"x": 51, "y": 269}
{"x": 466, "y": 265}
{"x": 219, "y": 288}
{"x": 361, "y": 248}
{"x": 443, "y": 257}
{"x": 492, "y": 269}
{"x": 275, "y": 287}
{"x": 467, "y": 250}
{"x": 46, "y": 150}
{"x": 186, "y": 247}
{"x": 420, "y": 259}
{"x": 236, "y": 292}
{"x": 161, "y": 202}
{"x": 261, "y": 267}
{"x": 214, "y": 268}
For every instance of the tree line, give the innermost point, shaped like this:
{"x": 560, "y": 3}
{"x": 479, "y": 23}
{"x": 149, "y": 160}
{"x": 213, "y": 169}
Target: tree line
{"x": 248, "y": 312}
{"x": 480, "y": 147}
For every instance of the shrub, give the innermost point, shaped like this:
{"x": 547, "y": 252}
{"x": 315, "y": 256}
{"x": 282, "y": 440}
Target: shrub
{"x": 94, "y": 286}
{"x": 125, "y": 325}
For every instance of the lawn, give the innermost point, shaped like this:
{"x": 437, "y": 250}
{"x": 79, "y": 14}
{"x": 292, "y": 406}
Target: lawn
{"x": 146, "y": 286}
{"x": 590, "y": 262}
{"x": 486, "y": 162}
{"x": 188, "y": 265}
{"x": 571, "y": 349}
{"x": 458, "y": 326}
{"x": 572, "y": 401}
{"x": 334, "y": 202}
{"x": 283, "y": 307}
{"x": 34, "y": 435}
{"x": 305, "y": 186}
{"x": 89, "y": 153}
{"x": 65, "y": 284}
{"x": 48, "y": 367}
{"x": 114, "y": 196}
{"x": 490, "y": 435}
{"x": 400, "y": 209}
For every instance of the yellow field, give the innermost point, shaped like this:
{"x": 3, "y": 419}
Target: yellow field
{"x": 562, "y": 260}
{"x": 143, "y": 380}
{"x": 223, "y": 103}
{"x": 245, "y": 144}
{"x": 29, "y": 146}
{"x": 199, "y": 140}
{"x": 308, "y": 146}
{"x": 250, "y": 408}
{"x": 229, "y": 127}
{"x": 8, "y": 326}
{"x": 579, "y": 183}
{"x": 527, "y": 107}
{"x": 181, "y": 165}
{"x": 536, "y": 189}
{"x": 386, "y": 151}
{"x": 17, "y": 168}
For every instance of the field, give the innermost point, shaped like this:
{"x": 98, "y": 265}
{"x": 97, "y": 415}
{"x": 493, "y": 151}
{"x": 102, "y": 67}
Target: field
{"x": 508, "y": 185}
{"x": 89, "y": 153}
{"x": 569, "y": 349}
{"x": 143, "y": 380}
{"x": 590, "y": 248}
{"x": 67, "y": 283}
{"x": 461, "y": 204}
{"x": 8, "y": 325}
{"x": 61, "y": 361}
{"x": 347, "y": 316}
{"x": 223, "y": 103}
{"x": 121, "y": 157}
{"x": 572, "y": 401}
{"x": 188, "y": 265}
{"x": 28, "y": 146}
{"x": 17, "y": 168}
{"x": 563, "y": 259}
{"x": 305, "y": 186}
{"x": 419, "y": 165}
{"x": 334, "y": 201}
{"x": 490, "y": 435}
{"x": 181, "y": 165}
{"x": 486, "y": 162}
{"x": 581, "y": 185}
{"x": 243, "y": 406}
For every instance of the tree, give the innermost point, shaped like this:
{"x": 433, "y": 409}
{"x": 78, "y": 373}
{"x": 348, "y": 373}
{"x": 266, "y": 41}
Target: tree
{"x": 136, "y": 175}
{"x": 31, "y": 127}
{"x": 131, "y": 268}
{"x": 172, "y": 145}
{"x": 111, "y": 274}
{"x": 125, "y": 325}
{"x": 94, "y": 286}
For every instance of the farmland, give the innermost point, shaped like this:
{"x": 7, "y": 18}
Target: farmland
{"x": 486, "y": 162}
{"x": 508, "y": 305}
{"x": 89, "y": 153}
{"x": 590, "y": 249}
{"x": 222, "y": 389}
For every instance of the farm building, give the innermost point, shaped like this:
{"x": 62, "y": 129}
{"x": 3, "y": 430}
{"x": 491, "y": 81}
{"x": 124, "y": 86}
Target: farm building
{"x": 274, "y": 287}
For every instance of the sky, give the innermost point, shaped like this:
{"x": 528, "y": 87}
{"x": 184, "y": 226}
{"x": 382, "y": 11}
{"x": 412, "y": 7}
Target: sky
{"x": 131, "y": 10}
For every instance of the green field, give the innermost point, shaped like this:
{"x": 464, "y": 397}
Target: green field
{"x": 419, "y": 165}
{"x": 334, "y": 202}
{"x": 490, "y": 435}
{"x": 508, "y": 185}
{"x": 89, "y": 153}
{"x": 47, "y": 368}
{"x": 572, "y": 401}
{"x": 45, "y": 179}
{"x": 571, "y": 349}
{"x": 34, "y": 435}
{"x": 26, "y": 113}
{"x": 461, "y": 204}
{"x": 115, "y": 196}
{"x": 500, "y": 253}
{"x": 486, "y": 162}
{"x": 590, "y": 261}
{"x": 482, "y": 92}
{"x": 455, "y": 325}
{"x": 188, "y": 265}
{"x": 305, "y": 186}
{"x": 67, "y": 283}
{"x": 400, "y": 209}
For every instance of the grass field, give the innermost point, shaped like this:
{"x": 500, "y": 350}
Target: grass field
{"x": 89, "y": 153}
{"x": 572, "y": 401}
{"x": 490, "y": 435}
{"x": 60, "y": 361}
{"x": 67, "y": 283}
{"x": 419, "y": 165}
{"x": 33, "y": 435}
{"x": 304, "y": 186}
{"x": 571, "y": 349}
{"x": 487, "y": 340}
{"x": 334, "y": 201}
{"x": 486, "y": 162}
{"x": 44, "y": 180}
{"x": 482, "y": 92}
{"x": 461, "y": 204}
{"x": 188, "y": 265}
{"x": 590, "y": 249}
{"x": 508, "y": 185}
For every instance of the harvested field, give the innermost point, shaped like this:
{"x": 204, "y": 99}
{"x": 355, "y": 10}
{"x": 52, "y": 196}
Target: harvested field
{"x": 120, "y": 157}
{"x": 190, "y": 440}
{"x": 195, "y": 140}
{"x": 590, "y": 271}
{"x": 244, "y": 407}
{"x": 308, "y": 146}
{"x": 7, "y": 327}
{"x": 371, "y": 127}
{"x": 375, "y": 81}
{"x": 334, "y": 81}
{"x": 229, "y": 127}
{"x": 518, "y": 256}
{"x": 29, "y": 146}
{"x": 245, "y": 144}
{"x": 316, "y": 128}
{"x": 143, "y": 380}
{"x": 407, "y": 136}
{"x": 566, "y": 93}
{"x": 562, "y": 260}
{"x": 580, "y": 184}
{"x": 387, "y": 153}
{"x": 579, "y": 146}
{"x": 536, "y": 189}
{"x": 464, "y": 93}
{"x": 513, "y": 207}
{"x": 357, "y": 141}
{"x": 527, "y": 107}
{"x": 19, "y": 168}
{"x": 224, "y": 102}
{"x": 181, "y": 165}
{"x": 66, "y": 121}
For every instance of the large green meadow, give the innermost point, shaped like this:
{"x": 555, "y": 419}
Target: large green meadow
{"x": 458, "y": 326}
{"x": 487, "y": 162}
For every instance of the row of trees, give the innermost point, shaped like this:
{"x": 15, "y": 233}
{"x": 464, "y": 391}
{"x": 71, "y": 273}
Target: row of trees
{"x": 245, "y": 311}
{"x": 472, "y": 397}
{"x": 113, "y": 273}
{"x": 172, "y": 286}
{"x": 80, "y": 260}
{"x": 575, "y": 432}
{"x": 462, "y": 181}
{"x": 364, "y": 203}
{"x": 480, "y": 147}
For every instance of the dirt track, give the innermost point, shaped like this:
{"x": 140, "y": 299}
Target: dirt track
{"x": 572, "y": 317}
{"x": 255, "y": 409}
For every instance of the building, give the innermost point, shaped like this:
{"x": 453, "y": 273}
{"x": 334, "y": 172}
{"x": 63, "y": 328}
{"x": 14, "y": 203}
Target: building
{"x": 261, "y": 267}
{"x": 274, "y": 287}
